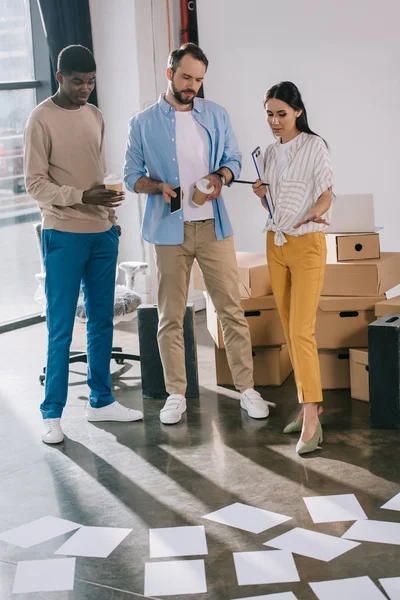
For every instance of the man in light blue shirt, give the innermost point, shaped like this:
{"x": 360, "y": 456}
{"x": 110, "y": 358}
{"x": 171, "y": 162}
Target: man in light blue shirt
{"x": 172, "y": 144}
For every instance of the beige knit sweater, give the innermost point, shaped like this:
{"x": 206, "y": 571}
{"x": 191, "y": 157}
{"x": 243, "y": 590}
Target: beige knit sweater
{"x": 64, "y": 156}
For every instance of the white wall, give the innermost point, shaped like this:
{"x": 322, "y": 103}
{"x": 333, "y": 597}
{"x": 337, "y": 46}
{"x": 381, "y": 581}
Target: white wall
{"x": 115, "y": 50}
{"x": 131, "y": 46}
{"x": 344, "y": 56}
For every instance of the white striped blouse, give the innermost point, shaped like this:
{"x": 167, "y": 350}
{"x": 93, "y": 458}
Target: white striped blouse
{"x": 305, "y": 176}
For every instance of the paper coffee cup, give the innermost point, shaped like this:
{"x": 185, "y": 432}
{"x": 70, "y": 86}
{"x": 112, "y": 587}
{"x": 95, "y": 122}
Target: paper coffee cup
{"x": 113, "y": 182}
{"x": 202, "y": 191}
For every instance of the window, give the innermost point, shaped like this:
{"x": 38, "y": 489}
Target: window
{"x": 24, "y": 81}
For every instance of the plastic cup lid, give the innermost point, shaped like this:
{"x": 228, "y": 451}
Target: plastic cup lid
{"x": 202, "y": 186}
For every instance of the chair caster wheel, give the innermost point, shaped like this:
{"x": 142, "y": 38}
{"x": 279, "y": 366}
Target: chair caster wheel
{"x": 41, "y": 379}
{"x": 119, "y": 361}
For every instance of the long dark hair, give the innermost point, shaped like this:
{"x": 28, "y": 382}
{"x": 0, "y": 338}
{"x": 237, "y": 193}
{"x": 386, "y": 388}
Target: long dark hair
{"x": 288, "y": 92}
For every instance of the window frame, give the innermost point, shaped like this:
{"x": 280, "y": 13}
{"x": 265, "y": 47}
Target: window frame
{"x": 42, "y": 85}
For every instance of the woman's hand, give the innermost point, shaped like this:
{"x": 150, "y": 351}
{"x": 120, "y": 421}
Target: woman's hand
{"x": 259, "y": 188}
{"x": 313, "y": 216}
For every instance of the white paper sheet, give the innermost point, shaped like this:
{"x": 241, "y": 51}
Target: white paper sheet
{"x": 329, "y": 509}
{"x": 381, "y": 532}
{"x": 248, "y": 518}
{"x": 54, "y": 575}
{"x": 254, "y": 568}
{"x": 312, "y": 544}
{"x": 361, "y": 588}
{"x": 177, "y": 541}
{"x": 174, "y": 577}
{"x": 391, "y": 585}
{"x": 38, "y": 531}
{"x": 282, "y": 596}
{"x": 97, "y": 542}
{"x": 393, "y": 504}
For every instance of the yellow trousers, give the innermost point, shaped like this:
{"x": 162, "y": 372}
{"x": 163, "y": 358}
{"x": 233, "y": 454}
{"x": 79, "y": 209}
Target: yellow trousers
{"x": 297, "y": 272}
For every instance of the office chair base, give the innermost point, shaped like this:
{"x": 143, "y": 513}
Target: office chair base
{"x": 117, "y": 354}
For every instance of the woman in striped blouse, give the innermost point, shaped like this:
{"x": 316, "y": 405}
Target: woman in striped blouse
{"x": 297, "y": 189}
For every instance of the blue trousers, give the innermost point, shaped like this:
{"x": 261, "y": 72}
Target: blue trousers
{"x": 69, "y": 259}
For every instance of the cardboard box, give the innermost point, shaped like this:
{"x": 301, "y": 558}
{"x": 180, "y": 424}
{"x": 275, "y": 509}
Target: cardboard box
{"x": 253, "y": 271}
{"x": 359, "y": 375}
{"x": 271, "y": 366}
{"x": 363, "y": 277}
{"x": 335, "y": 369}
{"x": 262, "y": 317}
{"x": 388, "y": 307}
{"x": 356, "y": 246}
{"x": 342, "y": 322}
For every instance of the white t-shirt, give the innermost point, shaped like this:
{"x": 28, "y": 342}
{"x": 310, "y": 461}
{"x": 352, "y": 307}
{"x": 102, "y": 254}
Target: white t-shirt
{"x": 283, "y": 155}
{"x": 193, "y": 151}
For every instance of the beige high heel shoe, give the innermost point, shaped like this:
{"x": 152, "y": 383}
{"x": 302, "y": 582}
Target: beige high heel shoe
{"x": 312, "y": 444}
{"x": 297, "y": 426}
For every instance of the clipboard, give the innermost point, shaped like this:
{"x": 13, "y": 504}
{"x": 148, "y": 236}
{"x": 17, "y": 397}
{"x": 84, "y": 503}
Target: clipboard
{"x": 259, "y": 165}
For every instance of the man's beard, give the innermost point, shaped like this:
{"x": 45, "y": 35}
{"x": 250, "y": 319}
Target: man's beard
{"x": 179, "y": 95}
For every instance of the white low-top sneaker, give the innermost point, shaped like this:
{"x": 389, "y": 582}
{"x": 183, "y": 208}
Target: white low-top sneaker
{"x": 113, "y": 412}
{"x": 256, "y": 407}
{"x": 173, "y": 409}
{"x": 52, "y": 433}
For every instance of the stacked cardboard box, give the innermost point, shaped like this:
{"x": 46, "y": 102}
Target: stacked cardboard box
{"x": 270, "y": 354}
{"x": 357, "y": 277}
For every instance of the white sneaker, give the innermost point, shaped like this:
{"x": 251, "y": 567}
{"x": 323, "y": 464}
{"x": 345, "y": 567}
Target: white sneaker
{"x": 113, "y": 412}
{"x": 173, "y": 409}
{"x": 256, "y": 407}
{"x": 52, "y": 434}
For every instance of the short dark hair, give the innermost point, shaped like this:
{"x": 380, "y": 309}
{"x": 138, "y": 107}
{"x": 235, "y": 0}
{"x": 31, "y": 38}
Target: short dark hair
{"x": 75, "y": 58}
{"x": 176, "y": 55}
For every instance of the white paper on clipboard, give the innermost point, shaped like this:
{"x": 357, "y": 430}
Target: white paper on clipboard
{"x": 259, "y": 165}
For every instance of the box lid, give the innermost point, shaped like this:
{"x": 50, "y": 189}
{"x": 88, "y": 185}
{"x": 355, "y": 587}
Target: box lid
{"x": 382, "y": 262}
{"x": 262, "y": 303}
{"x": 249, "y": 304}
{"x": 359, "y": 355}
{"x": 350, "y": 235}
{"x": 348, "y": 303}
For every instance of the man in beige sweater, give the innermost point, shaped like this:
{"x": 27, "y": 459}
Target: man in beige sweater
{"x": 64, "y": 171}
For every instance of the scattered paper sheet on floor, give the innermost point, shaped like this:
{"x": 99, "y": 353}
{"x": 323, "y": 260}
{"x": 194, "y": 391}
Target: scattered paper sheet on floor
{"x": 329, "y": 509}
{"x": 260, "y": 567}
{"x": 39, "y": 531}
{"x": 96, "y": 542}
{"x": 281, "y": 596}
{"x": 248, "y": 518}
{"x": 174, "y": 577}
{"x": 360, "y": 588}
{"x": 177, "y": 541}
{"x": 54, "y": 575}
{"x": 393, "y": 504}
{"x": 382, "y": 532}
{"x": 312, "y": 544}
{"x": 391, "y": 585}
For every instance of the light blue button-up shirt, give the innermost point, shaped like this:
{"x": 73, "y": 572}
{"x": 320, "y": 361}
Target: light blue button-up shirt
{"x": 151, "y": 151}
